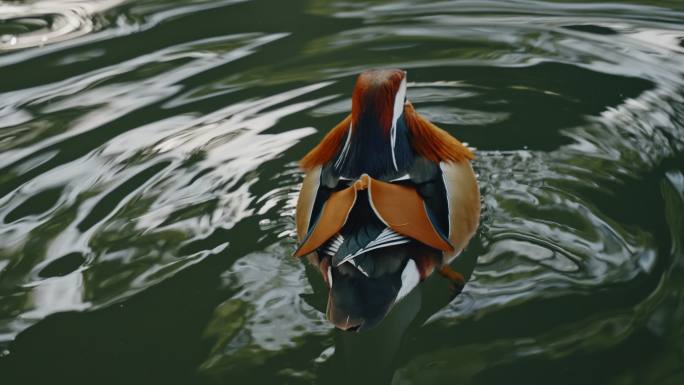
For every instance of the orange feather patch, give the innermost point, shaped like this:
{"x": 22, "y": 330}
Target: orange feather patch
{"x": 432, "y": 142}
{"x": 328, "y": 147}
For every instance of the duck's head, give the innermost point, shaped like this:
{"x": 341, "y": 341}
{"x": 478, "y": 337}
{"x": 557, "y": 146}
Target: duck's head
{"x": 378, "y": 98}
{"x": 378, "y": 144}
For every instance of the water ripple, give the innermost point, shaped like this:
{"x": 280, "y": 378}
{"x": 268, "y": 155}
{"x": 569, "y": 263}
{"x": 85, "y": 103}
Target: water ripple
{"x": 47, "y": 22}
{"x": 142, "y": 155}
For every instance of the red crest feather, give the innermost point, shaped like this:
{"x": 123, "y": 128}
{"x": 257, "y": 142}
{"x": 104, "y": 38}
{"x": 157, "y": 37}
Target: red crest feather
{"x": 374, "y": 93}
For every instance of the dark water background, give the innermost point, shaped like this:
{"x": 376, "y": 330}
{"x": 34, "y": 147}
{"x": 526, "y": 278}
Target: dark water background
{"x": 148, "y": 177}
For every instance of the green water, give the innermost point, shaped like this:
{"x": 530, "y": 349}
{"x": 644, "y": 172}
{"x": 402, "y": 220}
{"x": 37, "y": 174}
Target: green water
{"x": 148, "y": 178}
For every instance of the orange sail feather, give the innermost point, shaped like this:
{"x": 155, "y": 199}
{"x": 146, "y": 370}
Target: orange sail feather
{"x": 432, "y": 142}
{"x": 328, "y": 147}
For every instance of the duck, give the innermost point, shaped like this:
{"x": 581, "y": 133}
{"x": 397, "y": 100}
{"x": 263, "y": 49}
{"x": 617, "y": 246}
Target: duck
{"x": 387, "y": 199}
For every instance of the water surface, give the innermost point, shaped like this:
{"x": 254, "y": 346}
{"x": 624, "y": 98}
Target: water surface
{"x": 148, "y": 179}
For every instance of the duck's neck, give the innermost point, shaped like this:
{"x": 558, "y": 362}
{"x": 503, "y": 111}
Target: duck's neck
{"x": 371, "y": 149}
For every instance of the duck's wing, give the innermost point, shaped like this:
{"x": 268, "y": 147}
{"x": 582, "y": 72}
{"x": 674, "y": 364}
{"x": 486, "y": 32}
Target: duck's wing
{"x": 320, "y": 181}
{"x": 400, "y": 214}
{"x": 363, "y": 233}
{"x": 444, "y": 178}
{"x": 452, "y": 199}
{"x": 404, "y": 210}
{"x": 306, "y": 201}
{"x": 463, "y": 202}
{"x": 321, "y": 212}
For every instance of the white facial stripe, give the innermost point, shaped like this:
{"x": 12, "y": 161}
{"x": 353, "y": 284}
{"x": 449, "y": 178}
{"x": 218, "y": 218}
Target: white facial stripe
{"x": 448, "y": 191}
{"x": 399, "y": 102}
{"x": 409, "y": 279}
{"x": 396, "y": 113}
{"x": 345, "y": 149}
{"x": 329, "y": 277}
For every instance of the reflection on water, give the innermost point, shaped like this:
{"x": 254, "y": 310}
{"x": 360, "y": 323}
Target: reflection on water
{"x": 148, "y": 177}
{"x": 37, "y": 23}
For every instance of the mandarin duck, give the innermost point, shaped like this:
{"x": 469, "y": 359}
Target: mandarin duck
{"x": 387, "y": 199}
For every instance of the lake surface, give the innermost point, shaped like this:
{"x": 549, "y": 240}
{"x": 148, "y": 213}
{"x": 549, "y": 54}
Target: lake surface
{"x": 148, "y": 179}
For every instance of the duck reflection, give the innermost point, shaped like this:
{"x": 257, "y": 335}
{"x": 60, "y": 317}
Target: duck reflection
{"x": 372, "y": 356}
